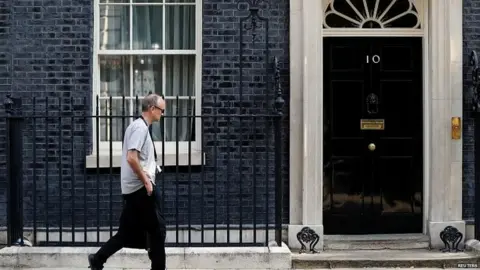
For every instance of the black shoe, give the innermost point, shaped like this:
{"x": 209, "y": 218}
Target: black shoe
{"x": 93, "y": 264}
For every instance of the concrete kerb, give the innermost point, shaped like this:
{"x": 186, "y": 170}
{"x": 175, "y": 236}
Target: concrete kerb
{"x": 473, "y": 245}
{"x": 272, "y": 257}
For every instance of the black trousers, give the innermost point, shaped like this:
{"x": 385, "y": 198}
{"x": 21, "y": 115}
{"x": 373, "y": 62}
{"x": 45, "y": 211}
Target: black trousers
{"x": 138, "y": 215}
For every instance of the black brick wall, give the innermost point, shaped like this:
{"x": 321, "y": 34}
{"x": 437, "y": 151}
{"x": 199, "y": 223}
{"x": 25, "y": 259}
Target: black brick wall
{"x": 5, "y": 82}
{"x": 52, "y": 58}
{"x": 471, "y": 41}
{"x": 45, "y": 51}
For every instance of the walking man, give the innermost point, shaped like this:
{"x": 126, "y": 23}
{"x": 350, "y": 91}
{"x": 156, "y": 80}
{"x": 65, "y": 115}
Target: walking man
{"x": 141, "y": 223}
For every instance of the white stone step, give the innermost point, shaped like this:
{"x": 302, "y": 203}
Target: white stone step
{"x": 376, "y": 242}
{"x": 385, "y": 258}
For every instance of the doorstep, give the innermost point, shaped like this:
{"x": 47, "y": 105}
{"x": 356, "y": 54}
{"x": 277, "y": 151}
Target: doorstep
{"x": 415, "y": 258}
{"x": 177, "y": 258}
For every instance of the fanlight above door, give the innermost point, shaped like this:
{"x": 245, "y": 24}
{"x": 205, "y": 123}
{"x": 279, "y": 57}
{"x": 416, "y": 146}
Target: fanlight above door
{"x": 372, "y": 14}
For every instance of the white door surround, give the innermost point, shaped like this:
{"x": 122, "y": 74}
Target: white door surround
{"x": 442, "y": 32}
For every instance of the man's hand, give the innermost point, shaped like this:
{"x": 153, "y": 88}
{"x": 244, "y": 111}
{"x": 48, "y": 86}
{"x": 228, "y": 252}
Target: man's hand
{"x": 149, "y": 188}
{"x": 132, "y": 159}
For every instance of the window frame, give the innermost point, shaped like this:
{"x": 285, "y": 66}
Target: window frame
{"x": 102, "y": 148}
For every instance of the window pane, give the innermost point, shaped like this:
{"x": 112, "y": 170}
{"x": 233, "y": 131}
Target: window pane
{"x": 114, "y": 75}
{"x": 147, "y": 27}
{"x": 180, "y": 75}
{"x": 137, "y": 105}
{"x": 113, "y": 1}
{"x": 114, "y": 27}
{"x": 114, "y": 118}
{"x": 182, "y": 127}
{"x": 180, "y": 1}
{"x": 147, "y": 1}
{"x": 147, "y": 74}
{"x": 180, "y": 27}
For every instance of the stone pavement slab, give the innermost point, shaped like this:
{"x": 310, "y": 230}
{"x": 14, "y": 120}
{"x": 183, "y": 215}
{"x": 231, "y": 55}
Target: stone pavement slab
{"x": 177, "y": 258}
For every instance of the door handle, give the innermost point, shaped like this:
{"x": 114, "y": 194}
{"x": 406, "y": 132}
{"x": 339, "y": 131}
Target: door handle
{"x": 371, "y": 147}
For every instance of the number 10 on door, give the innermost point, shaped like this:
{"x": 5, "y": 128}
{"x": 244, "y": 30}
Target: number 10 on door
{"x": 375, "y": 59}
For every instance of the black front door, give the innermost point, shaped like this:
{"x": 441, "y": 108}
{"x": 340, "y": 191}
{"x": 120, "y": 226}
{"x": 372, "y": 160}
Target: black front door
{"x": 373, "y": 118}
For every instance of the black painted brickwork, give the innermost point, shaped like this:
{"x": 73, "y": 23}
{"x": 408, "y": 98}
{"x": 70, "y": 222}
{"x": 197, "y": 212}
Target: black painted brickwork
{"x": 471, "y": 41}
{"x": 5, "y": 83}
{"x": 45, "y": 49}
{"x": 52, "y": 58}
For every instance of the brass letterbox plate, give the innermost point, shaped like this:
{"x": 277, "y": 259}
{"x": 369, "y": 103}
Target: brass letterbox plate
{"x": 372, "y": 124}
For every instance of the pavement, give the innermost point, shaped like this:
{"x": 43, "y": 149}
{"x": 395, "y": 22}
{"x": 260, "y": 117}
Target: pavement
{"x": 257, "y": 258}
{"x": 232, "y": 269}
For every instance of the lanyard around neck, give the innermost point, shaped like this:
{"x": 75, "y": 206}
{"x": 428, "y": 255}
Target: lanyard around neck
{"x": 151, "y": 137}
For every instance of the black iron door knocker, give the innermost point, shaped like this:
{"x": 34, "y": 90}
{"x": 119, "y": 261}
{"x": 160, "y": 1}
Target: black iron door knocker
{"x": 372, "y": 103}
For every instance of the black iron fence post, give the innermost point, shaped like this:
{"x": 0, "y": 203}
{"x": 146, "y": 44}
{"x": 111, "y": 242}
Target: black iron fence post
{"x": 14, "y": 170}
{"x": 476, "y": 116}
{"x": 279, "y": 102}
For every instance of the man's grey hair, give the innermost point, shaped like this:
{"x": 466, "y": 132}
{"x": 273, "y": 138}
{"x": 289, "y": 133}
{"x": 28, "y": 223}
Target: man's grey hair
{"x": 149, "y": 101}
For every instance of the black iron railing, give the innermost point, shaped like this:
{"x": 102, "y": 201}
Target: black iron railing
{"x": 475, "y": 99}
{"x": 221, "y": 182}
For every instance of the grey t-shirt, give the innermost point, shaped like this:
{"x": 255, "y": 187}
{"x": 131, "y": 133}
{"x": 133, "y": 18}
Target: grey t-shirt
{"x": 138, "y": 138}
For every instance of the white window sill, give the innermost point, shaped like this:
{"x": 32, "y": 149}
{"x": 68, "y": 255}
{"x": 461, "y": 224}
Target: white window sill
{"x": 170, "y": 159}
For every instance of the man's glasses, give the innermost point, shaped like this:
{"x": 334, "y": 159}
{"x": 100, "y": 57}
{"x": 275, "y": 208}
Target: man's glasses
{"x": 162, "y": 110}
